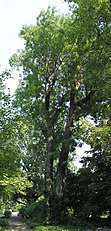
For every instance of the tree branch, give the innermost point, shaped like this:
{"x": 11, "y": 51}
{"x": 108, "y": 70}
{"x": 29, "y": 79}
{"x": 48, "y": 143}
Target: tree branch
{"x": 50, "y": 85}
{"x": 109, "y": 8}
{"x": 99, "y": 35}
{"x": 85, "y": 99}
{"x": 58, "y": 109}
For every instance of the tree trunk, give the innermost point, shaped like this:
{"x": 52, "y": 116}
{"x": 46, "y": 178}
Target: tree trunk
{"x": 109, "y": 219}
{"x": 49, "y": 172}
{"x": 62, "y": 165}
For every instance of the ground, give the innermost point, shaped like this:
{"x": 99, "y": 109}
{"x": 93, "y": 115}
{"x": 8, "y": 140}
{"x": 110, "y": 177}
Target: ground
{"x": 16, "y": 224}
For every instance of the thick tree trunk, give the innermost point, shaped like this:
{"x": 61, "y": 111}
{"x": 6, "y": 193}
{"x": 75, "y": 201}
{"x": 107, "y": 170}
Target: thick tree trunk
{"x": 61, "y": 173}
{"x": 62, "y": 165}
{"x": 50, "y": 120}
{"x": 49, "y": 172}
{"x": 109, "y": 217}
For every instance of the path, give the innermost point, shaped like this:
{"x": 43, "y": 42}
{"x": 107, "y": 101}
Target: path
{"x": 16, "y": 224}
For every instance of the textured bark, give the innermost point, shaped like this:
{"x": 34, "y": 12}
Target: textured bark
{"x": 110, "y": 217}
{"x": 62, "y": 165}
{"x": 49, "y": 164}
{"x": 49, "y": 137}
{"x": 49, "y": 175}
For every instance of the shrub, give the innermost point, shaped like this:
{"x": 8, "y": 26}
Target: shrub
{"x": 35, "y": 211}
{"x": 4, "y": 223}
{"x": 22, "y": 211}
{"x": 7, "y": 213}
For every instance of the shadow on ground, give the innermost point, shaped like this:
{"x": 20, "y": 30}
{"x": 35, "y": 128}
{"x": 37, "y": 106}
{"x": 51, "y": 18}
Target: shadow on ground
{"x": 16, "y": 224}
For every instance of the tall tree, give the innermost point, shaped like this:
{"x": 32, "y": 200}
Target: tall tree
{"x": 66, "y": 71}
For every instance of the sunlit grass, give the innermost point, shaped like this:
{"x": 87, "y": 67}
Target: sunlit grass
{"x": 4, "y": 229}
{"x": 55, "y": 228}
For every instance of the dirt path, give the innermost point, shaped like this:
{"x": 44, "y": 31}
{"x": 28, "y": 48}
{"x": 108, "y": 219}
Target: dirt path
{"x": 16, "y": 224}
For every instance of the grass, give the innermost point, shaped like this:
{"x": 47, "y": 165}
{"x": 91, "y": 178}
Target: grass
{"x": 58, "y": 228}
{"x": 55, "y": 228}
{"x": 4, "y": 229}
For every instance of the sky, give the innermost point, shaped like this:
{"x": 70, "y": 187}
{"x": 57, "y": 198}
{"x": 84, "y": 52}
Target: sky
{"x": 13, "y": 15}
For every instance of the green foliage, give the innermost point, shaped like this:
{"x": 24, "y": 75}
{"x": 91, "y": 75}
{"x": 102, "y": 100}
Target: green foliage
{"x": 4, "y": 229}
{"x": 97, "y": 164}
{"x": 4, "y": 224}
{"x": 56, "y": 228}
{"x": 11, "y": 180}
{"x": 66, "y": 78}
{"x": 35, "y": 212}
{"x": 15, "y": 184}
{"x": 7, "y": 213}
{"x": 87, "y": 192}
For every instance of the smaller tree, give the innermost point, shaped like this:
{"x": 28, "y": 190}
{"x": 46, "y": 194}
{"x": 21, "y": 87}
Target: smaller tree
{"x": 11, "y": 180}
{"x": 98, "y": 163}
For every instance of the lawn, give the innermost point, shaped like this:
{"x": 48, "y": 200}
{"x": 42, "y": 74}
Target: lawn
{"x": 3, "y": 229}
{"x": 58, "y": 228}
{"x": 55, "y": 228}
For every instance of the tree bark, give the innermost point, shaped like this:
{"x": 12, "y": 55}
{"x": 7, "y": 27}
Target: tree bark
{"x": 49, "y": 171}
{"x": 62, "y": 165}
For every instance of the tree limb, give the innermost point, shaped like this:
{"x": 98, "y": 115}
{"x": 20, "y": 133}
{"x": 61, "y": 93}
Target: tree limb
{"x": 99, "y": 35}
{"x": 58, "y": 109}
{"x": 85, "y": 99}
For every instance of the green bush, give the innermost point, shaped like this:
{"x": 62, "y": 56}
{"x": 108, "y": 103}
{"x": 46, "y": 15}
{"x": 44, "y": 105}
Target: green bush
{"x": 36, "y": 212}
{"x": 22, "y": 211}
{"x": 7, "y": 213}
{"x": 4, "y": 223}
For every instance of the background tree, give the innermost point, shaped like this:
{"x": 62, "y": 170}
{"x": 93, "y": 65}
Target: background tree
{"x": 11, "y": 180}
{"x": 99, "y": 163}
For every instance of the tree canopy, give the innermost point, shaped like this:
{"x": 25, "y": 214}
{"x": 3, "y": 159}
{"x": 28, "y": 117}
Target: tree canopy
{"x": 65, "y": 81}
